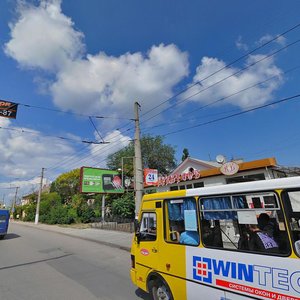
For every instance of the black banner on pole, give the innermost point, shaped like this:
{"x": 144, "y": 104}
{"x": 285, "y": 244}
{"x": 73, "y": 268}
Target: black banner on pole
{"x": 8, "y": 109}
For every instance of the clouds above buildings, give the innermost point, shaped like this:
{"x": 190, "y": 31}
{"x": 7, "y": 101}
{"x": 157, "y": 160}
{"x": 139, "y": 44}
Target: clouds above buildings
{"x": 43, "y": 38}
{"x": 236, "y": 86}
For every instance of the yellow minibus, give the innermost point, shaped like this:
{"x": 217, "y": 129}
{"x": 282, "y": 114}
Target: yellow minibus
{"x": 228, "y": 242}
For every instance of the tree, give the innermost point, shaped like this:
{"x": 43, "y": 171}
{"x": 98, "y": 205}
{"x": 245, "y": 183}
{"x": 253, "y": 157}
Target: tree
{"x": 124, "y": 206}
{"x": 66, "y": 185}
{"x": 185, "y": 154}
{"x": 155, "y": 155}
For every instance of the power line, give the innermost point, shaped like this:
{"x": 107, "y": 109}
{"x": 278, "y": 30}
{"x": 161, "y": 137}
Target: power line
{"x": 91, "y": 120}
{"x": 225, "y": 78}
{"x": 233, "y": 115}
{"x": 71, "y": 113}
{"x": 224, "y": 98}
{"x": 226, "y": 66}
{"x": 47, "y": 135}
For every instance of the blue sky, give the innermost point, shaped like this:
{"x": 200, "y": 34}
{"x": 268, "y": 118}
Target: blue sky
{"x": 96, "y": 58}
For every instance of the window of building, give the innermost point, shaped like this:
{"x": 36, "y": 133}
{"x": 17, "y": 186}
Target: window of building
{"x": 198, "y": 184}
{"x": 244, "y": 222}
{"x": 246, "y": 178}
{"x": 181, "y": 221}
{"x": 148, "y": 227}
{"x": 174, "y": 188}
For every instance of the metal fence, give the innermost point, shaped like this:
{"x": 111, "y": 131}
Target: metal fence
{"x": 114, "y": 223}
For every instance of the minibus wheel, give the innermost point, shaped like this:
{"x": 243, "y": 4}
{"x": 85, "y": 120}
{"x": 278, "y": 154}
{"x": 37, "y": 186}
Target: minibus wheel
{"x": 160, "y": 291}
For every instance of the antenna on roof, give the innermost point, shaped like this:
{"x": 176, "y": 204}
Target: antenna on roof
{"x": 220, "y": 159}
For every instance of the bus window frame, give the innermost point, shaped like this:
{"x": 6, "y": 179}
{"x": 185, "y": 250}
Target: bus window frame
{"x": 280, "y": 208}
{"x": 141, "y": 239}
{"x": 166, "y": 220}
{"x": 289, "y": 213}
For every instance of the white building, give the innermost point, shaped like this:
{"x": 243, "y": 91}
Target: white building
{"x": 192, "y": 173}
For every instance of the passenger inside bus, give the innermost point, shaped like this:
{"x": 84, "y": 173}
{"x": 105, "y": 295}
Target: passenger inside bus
{"x": 211, "y": 233}
{"x": 261, "y": 241}
{"x": 189, "y": 238}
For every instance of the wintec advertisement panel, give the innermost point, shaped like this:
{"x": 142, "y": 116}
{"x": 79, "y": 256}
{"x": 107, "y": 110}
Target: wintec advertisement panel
{"x": 93, "y": 180}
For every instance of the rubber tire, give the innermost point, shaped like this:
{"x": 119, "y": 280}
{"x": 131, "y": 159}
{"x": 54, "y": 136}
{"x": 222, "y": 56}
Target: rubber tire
{"x": 160, "y": 291}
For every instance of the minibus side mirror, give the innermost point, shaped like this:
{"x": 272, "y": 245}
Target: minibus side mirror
{"x": 136, "y": 225}
{"x": 137, "y": 230}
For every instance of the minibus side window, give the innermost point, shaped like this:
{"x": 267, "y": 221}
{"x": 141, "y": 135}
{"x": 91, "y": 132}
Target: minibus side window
{"x": 292, "y": 201}
{"x": 182, "y": 221}
{"x": 247, "y": 222}
{"x": 148, "y": 227}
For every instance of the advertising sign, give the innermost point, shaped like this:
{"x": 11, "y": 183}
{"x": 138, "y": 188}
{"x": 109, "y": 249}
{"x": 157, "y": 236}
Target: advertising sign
{"x": 150, "y": 177}
{"x": 93, "y": 180}
{"x": 8, "y": 109}
{"x": 229, "y": 168}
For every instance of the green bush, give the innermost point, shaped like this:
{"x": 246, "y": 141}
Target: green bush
{"x": 30, "y": 211}
{"x": 124, "y": 206}
{"x": 85, "y": 213}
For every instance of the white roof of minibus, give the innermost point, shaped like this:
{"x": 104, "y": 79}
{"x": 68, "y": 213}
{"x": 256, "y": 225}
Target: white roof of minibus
{"x": 270, "y": 184}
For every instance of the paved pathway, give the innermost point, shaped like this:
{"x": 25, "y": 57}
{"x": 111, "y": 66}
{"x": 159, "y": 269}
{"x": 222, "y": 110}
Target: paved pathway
{"x": 117, "y": 239}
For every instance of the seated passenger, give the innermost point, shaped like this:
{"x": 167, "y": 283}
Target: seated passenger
{"x": 267, "y": 225}
{"x": 211, "y": 233}
{"x": 189, "y": 238}
{"x": 261, "y": 241}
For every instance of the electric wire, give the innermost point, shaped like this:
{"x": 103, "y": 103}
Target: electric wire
{"x": 226, "y": 66}
{"x": 48, "y": 135}
{"x": 189, "y": 113}
{"x": 233, "y": 115}
{"x": 225, "y": 78}
{"x": 247, "y": 54}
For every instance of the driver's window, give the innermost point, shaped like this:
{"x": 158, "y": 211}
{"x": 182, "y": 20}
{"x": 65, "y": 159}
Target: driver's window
{"x": 148, "y": 227}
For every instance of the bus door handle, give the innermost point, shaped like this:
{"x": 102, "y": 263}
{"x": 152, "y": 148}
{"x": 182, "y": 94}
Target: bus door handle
{"x": 154, "y": 250}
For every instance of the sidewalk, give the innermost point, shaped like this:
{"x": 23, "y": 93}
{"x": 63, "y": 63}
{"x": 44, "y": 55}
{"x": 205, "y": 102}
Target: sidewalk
{"x": 116, "y": 239}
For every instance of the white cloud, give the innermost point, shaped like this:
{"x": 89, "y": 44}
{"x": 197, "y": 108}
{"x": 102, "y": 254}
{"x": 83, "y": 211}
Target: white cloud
{"x": 43, "y": 37}
{"x": 24, "y": 154}
{"x": 255, "y": 96}
{"x": 241, "y": 45}
{"x": 104, "y": 84}
{"x": 281, "y": 40}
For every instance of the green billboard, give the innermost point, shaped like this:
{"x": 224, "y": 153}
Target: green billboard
{"x": 93, "y": 180}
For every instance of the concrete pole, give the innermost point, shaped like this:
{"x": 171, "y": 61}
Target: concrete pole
{"x": 39, "y": 199}
{"x": 14, "y": 202}
{"x": 138, "y": 169}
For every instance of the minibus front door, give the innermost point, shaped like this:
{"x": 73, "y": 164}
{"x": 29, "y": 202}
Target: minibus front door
{"x": 146, "y": 248}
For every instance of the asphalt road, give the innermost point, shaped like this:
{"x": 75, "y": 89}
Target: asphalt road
{"x": 42, "y": 265}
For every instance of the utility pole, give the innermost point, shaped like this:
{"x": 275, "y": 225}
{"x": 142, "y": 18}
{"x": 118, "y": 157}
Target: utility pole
{"x": 138, "y": 169}
{"x": 39, "y": 199}
{"x": 14, "y": 202}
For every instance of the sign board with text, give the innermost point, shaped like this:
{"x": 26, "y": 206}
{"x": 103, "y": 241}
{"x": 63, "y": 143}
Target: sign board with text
{"x": 8, "y": 109}
{"x": 150, "y": 177}
{"x": 102, "y": 181}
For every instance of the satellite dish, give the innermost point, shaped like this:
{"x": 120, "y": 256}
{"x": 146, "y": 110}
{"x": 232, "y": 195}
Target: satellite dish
{"x": 220, "y": 159}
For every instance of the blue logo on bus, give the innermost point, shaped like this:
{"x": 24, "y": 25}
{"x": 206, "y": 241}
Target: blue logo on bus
{"x": 202, "y": 269}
